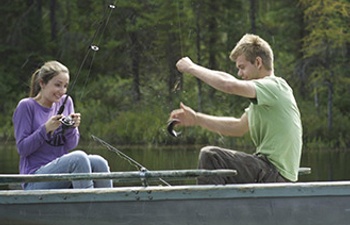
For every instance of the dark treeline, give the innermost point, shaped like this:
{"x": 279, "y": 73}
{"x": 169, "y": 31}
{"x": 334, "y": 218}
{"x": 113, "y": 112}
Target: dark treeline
{"x": 126, "y": 90}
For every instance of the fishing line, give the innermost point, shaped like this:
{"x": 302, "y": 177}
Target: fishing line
{"x": 177, "y": 82}
{"x": 179, "y": 24}
{"x": 104, "y": 21}
{"x": 132, "y": 162}
{"x": 92, "y": 47}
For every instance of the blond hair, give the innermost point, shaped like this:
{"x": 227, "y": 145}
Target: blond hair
{"x": 252, "y": 46}
{"x": 45, "y": 73}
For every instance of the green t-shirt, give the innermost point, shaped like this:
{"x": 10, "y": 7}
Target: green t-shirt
{"x": 275, "y": 125}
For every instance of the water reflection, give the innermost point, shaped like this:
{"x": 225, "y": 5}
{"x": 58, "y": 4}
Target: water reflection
{"x": 326, "y": 165}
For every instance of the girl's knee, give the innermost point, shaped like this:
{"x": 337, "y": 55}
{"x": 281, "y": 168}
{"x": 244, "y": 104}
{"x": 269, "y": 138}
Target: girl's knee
{"x": 79, "y": 162}
{"x": 79, "y": 156}
{"x": 98, "y": 163}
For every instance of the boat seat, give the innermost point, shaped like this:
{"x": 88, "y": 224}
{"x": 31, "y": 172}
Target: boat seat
{"x": 304, "y": 170}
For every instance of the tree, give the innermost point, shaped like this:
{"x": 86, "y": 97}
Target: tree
{"x": 324, "y": 46}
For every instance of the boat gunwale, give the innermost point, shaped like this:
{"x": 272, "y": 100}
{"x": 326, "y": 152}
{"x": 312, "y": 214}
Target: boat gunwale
{"x": 181, "y": 192}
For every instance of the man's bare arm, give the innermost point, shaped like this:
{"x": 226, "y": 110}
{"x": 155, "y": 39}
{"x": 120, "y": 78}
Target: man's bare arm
{"x": 228, "y": 126}
{"x": 217, "y": 79}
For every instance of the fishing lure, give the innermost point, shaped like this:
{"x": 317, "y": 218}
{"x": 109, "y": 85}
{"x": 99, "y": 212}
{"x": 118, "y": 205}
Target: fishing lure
{"x": 170, "y": 127}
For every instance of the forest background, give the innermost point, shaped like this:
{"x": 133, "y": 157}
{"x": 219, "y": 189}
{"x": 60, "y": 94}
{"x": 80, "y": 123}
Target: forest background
{"x": 126, "y": 90}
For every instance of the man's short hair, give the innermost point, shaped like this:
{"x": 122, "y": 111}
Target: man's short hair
{"x": 252, "y": 46}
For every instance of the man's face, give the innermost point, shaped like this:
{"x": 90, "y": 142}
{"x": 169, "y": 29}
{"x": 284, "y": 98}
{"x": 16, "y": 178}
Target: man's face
{"x": 246, "y": 70}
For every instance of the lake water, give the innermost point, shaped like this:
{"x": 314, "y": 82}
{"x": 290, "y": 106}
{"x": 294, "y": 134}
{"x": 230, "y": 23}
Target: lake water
{"x": 326, "y": 165}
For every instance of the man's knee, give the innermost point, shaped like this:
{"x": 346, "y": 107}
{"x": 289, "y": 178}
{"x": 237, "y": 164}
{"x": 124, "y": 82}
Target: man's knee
{"x": 207, "y": 151}
{"x": 208, "y": 157}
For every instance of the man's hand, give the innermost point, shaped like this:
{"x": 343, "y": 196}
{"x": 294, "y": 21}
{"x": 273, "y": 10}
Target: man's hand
{"x": 184, "y": 65}
{"x": 185, "y": 115}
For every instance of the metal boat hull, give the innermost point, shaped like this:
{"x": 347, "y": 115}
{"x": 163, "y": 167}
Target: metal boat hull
{"x": 314, "y": 203}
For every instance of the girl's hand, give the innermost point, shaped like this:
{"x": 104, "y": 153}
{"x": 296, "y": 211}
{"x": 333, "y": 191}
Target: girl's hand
{"x": 53, "y": 123}
{"x": 76, "y": 117}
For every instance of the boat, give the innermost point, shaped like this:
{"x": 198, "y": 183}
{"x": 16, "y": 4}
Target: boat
{"x": 304, "y": 203}
{"x": 185, "y": 204}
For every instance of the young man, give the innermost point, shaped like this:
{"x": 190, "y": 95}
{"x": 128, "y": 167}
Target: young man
{"x": 272, "y": 118}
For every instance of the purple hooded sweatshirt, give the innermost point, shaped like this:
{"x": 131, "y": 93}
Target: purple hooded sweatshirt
{"x": 36, "y": 147}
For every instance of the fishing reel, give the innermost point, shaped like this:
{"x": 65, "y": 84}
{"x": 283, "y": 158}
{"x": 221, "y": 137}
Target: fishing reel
{"x": 67, "y": 121}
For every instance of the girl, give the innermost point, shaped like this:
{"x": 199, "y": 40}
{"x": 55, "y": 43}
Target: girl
{"x": 43, "y": 141}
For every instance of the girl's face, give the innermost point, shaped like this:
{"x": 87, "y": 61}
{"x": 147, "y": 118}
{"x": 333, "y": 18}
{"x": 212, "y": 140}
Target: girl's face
{"x": 54, "y": 89}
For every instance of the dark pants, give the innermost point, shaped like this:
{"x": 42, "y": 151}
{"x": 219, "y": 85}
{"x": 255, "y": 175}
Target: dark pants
{"x": 250, "y": 168}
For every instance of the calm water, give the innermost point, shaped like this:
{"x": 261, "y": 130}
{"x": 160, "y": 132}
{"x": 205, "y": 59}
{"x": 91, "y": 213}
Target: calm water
{"x": 327, "y": 165}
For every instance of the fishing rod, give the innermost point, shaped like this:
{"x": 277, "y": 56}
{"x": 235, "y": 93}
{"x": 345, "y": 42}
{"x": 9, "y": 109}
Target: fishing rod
{"x": 68, "y": 121}
{"x": 132, "y": 162}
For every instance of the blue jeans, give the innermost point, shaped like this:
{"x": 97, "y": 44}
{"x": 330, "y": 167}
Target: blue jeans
{"x": 74, "y": 162}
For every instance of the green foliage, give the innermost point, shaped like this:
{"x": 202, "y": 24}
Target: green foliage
{"x": 327, "y": 26}
{"x": 126, "y": 90}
